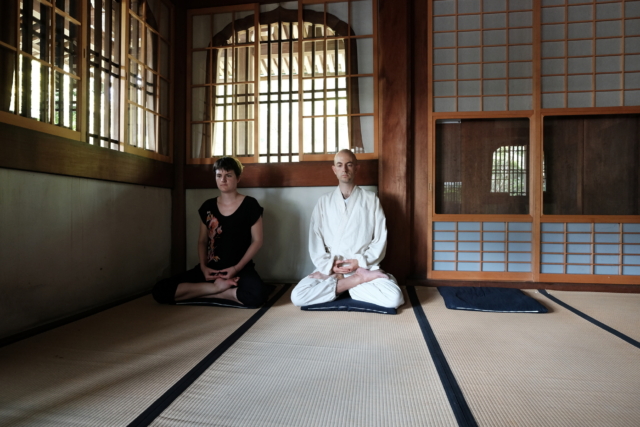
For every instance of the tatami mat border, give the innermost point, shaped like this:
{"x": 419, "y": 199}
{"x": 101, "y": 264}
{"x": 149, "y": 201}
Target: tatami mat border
{"x": 591, "y": 319}
{"x": 163, "y": 402}
{"x": 456, "y": 399}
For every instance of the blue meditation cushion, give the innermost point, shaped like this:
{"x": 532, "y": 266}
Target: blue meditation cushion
{"x": 499, "y": 300}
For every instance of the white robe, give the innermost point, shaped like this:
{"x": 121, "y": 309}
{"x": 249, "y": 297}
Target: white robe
{"x": 352, "y": 230}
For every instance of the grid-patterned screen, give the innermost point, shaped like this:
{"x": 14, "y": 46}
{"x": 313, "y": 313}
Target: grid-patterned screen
{"x": 579, "y": 248}
{"x": 482, "y": 246}
{"x": 590, "y": 53}
{"x": 482, "y": 55}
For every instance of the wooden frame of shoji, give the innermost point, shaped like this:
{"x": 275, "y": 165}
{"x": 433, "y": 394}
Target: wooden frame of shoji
{"x": 127, "y": 58}
{"x": 15, "y": 118}
{"x": 536, "y": 117}
{"x": 302, "y": 155}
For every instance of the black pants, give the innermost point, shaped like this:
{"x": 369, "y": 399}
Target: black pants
{"x": 252, "y": 292}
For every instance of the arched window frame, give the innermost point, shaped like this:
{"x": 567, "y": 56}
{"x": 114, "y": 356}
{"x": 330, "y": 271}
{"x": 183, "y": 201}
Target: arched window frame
{"x": 199, "y": 148}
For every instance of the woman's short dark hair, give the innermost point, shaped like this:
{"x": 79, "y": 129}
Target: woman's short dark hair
{"x": 228, "y": 163}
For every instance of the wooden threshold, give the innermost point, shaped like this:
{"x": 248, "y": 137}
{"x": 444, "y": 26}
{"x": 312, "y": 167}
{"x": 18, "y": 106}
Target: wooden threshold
{"x": 579, "y": 287}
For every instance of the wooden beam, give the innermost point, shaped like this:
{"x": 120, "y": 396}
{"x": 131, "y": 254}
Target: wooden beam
{"x": 396, "y": 166}
{"x": 29, "y": 150}
{"x": 302, "y": 174}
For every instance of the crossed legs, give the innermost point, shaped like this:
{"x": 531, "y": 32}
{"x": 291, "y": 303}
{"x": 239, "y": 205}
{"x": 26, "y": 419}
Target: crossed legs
{"x": 247, "y": 288}
{"x": 220, "y": 288}
{"x": 372, "y": 286}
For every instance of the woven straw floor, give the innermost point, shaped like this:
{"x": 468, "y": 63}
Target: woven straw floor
{"x": 619, "y": 311}
{"x": 298, "y": 368}
{"x": 106, "y": 369}
{"x": 295, "y": 368}
{"x": 552, "y": 369}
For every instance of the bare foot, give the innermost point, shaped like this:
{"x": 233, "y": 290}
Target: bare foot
{"x": 369, "y": 275}
{"x": 227, "y": 283}
{"x": 318, "y": 275}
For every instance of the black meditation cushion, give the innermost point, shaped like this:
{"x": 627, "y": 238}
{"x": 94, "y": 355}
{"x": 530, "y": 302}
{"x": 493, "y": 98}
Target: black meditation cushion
{"x": 212, "y": 301}
{"x": 501, "y": 300}
{"x": 345, "y": 303}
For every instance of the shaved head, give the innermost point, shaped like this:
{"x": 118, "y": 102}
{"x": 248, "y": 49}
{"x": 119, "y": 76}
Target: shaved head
{"x": 345, "y": 166}
{"x": 342, "y": 153}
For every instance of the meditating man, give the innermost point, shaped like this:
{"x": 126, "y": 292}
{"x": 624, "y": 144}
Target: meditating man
{"x": 230, "y": 235}
{"x": 347, "y": 242}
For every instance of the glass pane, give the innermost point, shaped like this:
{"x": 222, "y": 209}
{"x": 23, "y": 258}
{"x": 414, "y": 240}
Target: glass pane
{"x": 591, "y": 165}
{"x": 136, "y": 6}
{"x": 336, "y": 57}
{"x": 136, "y": 123}
{"x": 72, "y": 7}
{"x": 201, "y": 35}
{"x": 364, "y": 54}
{"x": 151, "y": 91}
{"x": 245, "y": 65}
{"x": 201, "y": 141}
{"x": 482, "y": 166}
{"x": 222, "y": 29}
{"x": 8, "y": 23}
{"x": 313, "y": 18}
{"x": 65, "y": 101}
{"x": 135, "y": 82}
{"x": 7, "y": 79}
{"x": 152, "y": 14}
{"x": 135, "y": 39}
{"x": 199, "y": 66}
{"x": 165, "y": 58}
{"x": 366, "y": 134}
{"x": 35, "y": 30}
{"x": 362, "y": 17}
{"x": 338, "y": 19}
{"x": 362, "y": 98}
{"x": 35, "y": 92}
{"x": 243, "y": 138}
{"x": 165, "y": 96}
{"x": 66, "y": 53}
{"x": 152, "y": 50}
{"x": 150, "y": 131}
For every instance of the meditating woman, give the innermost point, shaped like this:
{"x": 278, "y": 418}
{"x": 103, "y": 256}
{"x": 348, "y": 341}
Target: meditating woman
{"x": 230, "y": 235}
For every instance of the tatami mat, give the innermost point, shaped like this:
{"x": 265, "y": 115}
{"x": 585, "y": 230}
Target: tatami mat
{"x": 299, "y": 368}
{"x": 106, "y": 369}
{"x": 618, "y": 311}
{"x": 552, "y": 369}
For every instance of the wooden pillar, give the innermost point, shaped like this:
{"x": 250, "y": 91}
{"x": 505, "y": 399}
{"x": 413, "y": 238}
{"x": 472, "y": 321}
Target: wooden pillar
{"x": 395, "y": 163}
{"x": 178, "y": 200}
{"x": 421, "y": 128}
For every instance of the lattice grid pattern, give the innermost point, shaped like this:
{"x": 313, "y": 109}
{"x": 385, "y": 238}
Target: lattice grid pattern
{"x": 590, "y": 53}
{"x": 585, "y": 248}
{"x": 482, "y": 246}
{"x": 482, "y": 55}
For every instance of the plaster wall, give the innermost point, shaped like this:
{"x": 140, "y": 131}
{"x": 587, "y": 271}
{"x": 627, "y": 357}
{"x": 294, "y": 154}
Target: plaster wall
{"x": 284, "y": 256}
{"x": 71, "y": 244}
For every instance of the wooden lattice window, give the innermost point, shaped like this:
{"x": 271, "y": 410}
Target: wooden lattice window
{"x": 149, "y": 86}
{"x": 300, "y": 88}
{"x": 40, "y": 65}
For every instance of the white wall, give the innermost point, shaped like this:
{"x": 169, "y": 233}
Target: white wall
{"x": 70, "y": 244}
{"x": 284, "y": 256}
